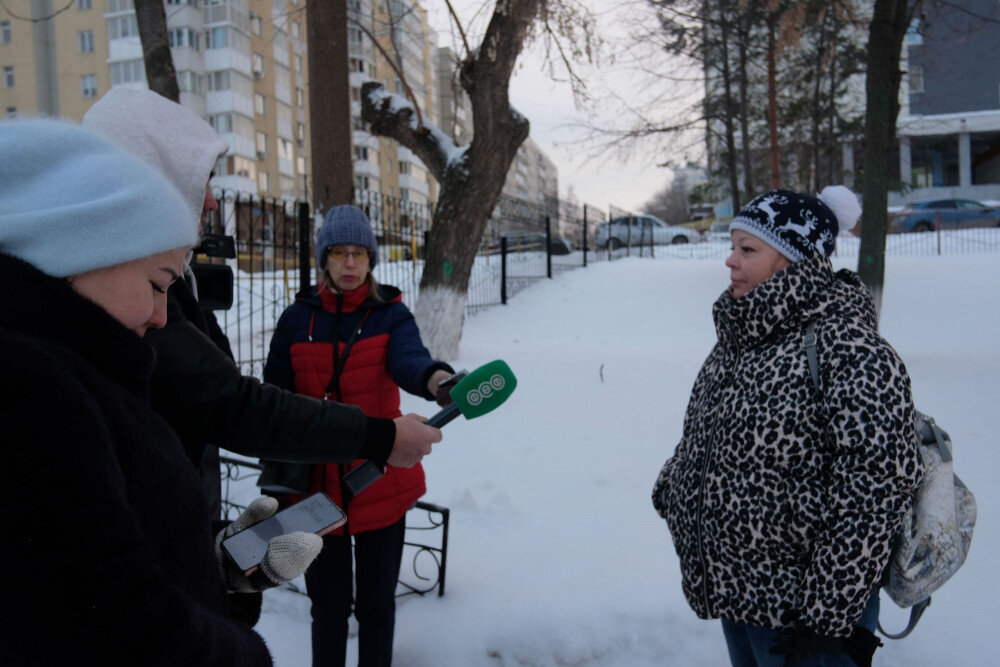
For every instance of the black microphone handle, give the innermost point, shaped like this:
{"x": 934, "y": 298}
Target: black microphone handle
{"x": 444, "y": 416}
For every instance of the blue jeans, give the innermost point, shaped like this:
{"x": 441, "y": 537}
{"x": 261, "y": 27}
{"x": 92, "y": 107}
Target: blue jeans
{"x": 749, "y": 645}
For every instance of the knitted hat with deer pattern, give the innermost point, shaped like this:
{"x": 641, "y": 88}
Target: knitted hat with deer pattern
{"x": 799, "y": 225}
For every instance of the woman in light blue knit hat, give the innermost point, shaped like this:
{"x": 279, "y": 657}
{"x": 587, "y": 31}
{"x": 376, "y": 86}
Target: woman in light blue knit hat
{"x": 107, "y": 540}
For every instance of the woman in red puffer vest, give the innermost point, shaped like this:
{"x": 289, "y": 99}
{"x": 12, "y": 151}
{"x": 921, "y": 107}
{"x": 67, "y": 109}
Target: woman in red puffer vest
{"x": 351, "y": 340}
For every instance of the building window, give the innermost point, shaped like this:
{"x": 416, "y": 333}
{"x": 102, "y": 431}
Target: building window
{"x": 190, "y": 82}
{"x": 256, "y": 24}
{"x": 257, "y": 66}
{"x": 404, "y": 167}
{"x": 259, "y": 104}
{"x": 300, "y": 164}
{"x": 362, "y": 182}
{"x": 300, "y": 97}
{"x": 300, "y": 133}
{"x": 11, "y": 112}
{"x": 261, "y": 145}
{"x": 219, "y": 80}
{"x": 916, "y": 80}
{"x": 122, "y": 26}
{"x": 355, "y": 94}
{"x": 83, "y": 4}
{"x": 361, "y": 152}
{"x": 296, "y": 30}
{"x": 4, "y": 32}
{"x": 88, "y": 86}
{"x": 217, "y": 38}
{"x": 184, "y": 37}
{"x": 85, "y": 40}
{"x": 127, "y": 72}
{"x": 298, "y": 63}
{"x": 222, "y": 122}
{"x": 285, "y": 149}
{"x": 263, "y": 182}
{"x": 8, "y": 76}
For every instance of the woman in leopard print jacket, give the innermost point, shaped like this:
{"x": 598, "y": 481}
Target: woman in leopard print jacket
{"x": 783, "y": 501}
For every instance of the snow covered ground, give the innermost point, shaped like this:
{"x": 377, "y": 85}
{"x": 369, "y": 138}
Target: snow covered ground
{"x": 556, "y": 556}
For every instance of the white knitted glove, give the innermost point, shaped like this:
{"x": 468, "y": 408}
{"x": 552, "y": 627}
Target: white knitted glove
{"x": 287, "y": 555}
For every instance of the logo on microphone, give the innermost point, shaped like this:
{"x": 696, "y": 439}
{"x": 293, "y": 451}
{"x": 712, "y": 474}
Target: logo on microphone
{"x": 485, "y": 390}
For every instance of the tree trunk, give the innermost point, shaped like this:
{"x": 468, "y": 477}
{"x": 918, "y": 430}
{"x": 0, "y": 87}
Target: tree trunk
{"x": 471, "y": 178}
{"x": 774, "y": 150}
{"x": 330, "y": 125}
{"x": 159, "y": 64}
{"x": 817, "y": 112}
{"x": 730, "y": 112}
{"x": 744, "y": 34}
{"x": 831, "y": 139}
{"x": 890, "y": 21}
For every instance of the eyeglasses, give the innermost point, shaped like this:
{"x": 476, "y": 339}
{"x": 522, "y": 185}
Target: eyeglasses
{"x": 341, "y": 254}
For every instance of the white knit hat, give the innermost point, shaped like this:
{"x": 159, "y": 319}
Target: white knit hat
{"x": 71, "y": 202}
{"x": 168, "y": 136}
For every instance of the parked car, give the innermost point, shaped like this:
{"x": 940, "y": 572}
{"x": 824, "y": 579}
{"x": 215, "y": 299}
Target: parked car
{"x": 953, "y": 214}
{"x": 638, "y": 230}
{"x": 719, "y": 232}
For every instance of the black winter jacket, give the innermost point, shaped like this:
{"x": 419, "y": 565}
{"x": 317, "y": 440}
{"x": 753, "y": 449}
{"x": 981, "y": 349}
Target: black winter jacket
{"x": 108, "y": 552}
{"x": 782, "y": 503}
{"x": 199, "y": 389}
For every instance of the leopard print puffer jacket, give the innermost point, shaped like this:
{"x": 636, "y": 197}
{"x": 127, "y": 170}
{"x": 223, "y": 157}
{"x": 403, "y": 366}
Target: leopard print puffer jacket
{"x": 783, "y": 502}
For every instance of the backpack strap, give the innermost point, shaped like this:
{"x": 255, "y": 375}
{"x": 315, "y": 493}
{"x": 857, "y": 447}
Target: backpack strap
{"x": 916, "y": 611}
{"x": 809, "y": 342}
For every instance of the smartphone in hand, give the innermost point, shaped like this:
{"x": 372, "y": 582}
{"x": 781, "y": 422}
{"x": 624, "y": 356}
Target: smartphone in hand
{"x": 315, "y": 514}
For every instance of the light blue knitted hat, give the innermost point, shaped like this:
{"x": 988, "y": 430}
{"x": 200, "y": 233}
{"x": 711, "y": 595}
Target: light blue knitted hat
{"x": 71, "y": 201}
{"x": 345, "y": 225}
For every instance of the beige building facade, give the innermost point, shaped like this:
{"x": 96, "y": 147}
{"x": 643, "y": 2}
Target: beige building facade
{"x": 243, "y": 66}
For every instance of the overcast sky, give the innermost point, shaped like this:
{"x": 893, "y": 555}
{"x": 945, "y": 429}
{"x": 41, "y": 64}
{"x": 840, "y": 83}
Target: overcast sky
{"x": 549, "y": 106}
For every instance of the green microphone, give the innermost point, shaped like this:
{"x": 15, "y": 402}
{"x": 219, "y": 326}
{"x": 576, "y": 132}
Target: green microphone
{"x": 481, "y": 391}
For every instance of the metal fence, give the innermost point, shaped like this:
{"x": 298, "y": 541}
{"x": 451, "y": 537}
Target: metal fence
{"x": 524, "y": 242}
{"x": 274, "y": 242}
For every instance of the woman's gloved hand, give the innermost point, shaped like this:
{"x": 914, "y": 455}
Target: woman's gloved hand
{"x": 287, "y": 555}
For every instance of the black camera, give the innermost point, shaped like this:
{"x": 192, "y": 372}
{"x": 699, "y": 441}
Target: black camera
{"x": 215, "y": 281}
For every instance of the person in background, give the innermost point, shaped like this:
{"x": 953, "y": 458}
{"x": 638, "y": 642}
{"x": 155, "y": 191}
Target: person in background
{"x": 353, "y": 340}
{"x": 783, "y": 500}
{"x": 196, "y": 385}
{"x": 111, "y": 556}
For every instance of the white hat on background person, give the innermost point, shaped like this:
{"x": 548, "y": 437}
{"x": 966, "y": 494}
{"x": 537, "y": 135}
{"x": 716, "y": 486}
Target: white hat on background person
{"x": 168, "y": 136}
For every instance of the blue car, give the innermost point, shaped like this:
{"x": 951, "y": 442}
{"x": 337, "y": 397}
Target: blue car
{"x": 952, "y": 214}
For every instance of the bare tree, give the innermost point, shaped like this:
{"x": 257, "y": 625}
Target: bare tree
{"x": 160, "y": 73}
{"x": 669, "y": 203}
{"x": 472, "y": 176}
{"x": 890, "y": 21}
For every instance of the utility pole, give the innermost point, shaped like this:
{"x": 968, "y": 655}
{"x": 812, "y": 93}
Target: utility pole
{"x": 329, "y": 103}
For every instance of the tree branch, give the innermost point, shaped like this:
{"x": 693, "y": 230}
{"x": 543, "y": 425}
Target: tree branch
{"x": 392, "y": 63}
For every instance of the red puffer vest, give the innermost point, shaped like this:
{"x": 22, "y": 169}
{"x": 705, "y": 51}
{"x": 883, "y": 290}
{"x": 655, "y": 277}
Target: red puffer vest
{"x": 365, "y": 382}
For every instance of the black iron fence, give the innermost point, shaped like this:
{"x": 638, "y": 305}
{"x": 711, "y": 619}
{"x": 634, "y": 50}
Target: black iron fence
{"x": 425, "y": 546}
{"x": 274, "y": 255}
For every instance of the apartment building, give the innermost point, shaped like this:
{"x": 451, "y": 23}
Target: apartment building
{"x": 241, "y": 64}
{"x": 949, "y": 121}
{"x": 400, "y": 57}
